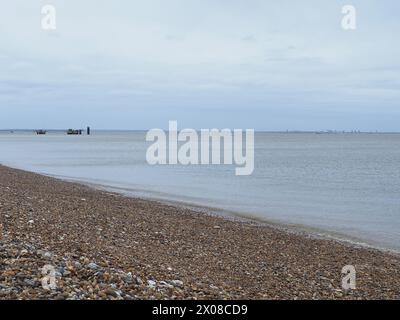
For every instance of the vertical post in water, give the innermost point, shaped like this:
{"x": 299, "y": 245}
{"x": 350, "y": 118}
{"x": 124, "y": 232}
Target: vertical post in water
{"x": 88, "y": 131}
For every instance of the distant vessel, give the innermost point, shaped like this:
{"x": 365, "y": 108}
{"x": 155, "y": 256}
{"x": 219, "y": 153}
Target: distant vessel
{"x": 41, "y": 131}
{"x": 74, "y": 132}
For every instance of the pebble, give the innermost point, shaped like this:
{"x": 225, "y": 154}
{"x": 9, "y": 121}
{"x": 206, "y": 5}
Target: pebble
{"x": 47, "y": 254}
{"x": 139, "y": 281}
{"x": 30, "y": 282}
{"x": 93, "y": 266}
{"x": 177, "y": 283}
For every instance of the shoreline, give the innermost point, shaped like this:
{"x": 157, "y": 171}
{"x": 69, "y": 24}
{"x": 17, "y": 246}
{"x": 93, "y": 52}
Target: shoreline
{"x": 236, "y": 216}
{"x": 145, "y": 249}
{"x": 240, "y": 217}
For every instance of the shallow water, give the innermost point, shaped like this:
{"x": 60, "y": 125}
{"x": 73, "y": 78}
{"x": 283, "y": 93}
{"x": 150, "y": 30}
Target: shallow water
{"x": 341, "y": 183}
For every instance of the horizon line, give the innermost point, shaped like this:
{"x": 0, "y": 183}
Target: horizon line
{"x": 328, "y": 131}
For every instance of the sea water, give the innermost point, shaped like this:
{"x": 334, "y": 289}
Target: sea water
{"x": 339, "y": 184}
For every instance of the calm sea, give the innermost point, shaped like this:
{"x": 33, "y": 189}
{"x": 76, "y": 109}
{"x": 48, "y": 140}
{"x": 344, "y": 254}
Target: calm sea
{"x": 341, "y": 184}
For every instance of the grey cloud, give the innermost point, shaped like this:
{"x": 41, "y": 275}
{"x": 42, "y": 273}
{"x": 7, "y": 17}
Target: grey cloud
{"x": 283, "y": 60}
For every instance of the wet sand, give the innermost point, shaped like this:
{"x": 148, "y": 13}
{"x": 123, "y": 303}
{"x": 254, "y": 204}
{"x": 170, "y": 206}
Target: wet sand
{"x": 108, "y": 246}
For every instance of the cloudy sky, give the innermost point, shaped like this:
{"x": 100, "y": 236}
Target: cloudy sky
{"x": 263, "y": 64}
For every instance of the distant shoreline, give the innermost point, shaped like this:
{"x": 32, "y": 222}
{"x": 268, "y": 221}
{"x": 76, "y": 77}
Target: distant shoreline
{"x": 141, "y": 249}
{"x": 256, "y": 131}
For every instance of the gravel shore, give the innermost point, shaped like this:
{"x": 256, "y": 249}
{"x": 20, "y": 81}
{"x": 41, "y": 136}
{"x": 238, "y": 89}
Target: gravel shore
{"x": 107, "y": 246}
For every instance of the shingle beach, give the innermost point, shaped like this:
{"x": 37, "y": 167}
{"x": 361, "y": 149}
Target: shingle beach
{"x": 108, "y": 246}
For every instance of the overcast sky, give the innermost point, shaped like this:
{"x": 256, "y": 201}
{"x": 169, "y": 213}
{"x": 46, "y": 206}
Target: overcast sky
{"x": 268, "y": 65}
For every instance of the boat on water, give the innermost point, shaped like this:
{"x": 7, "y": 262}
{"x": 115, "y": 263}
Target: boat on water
{"x": 74, "y": 132}
{"x": 40, "y": 132}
